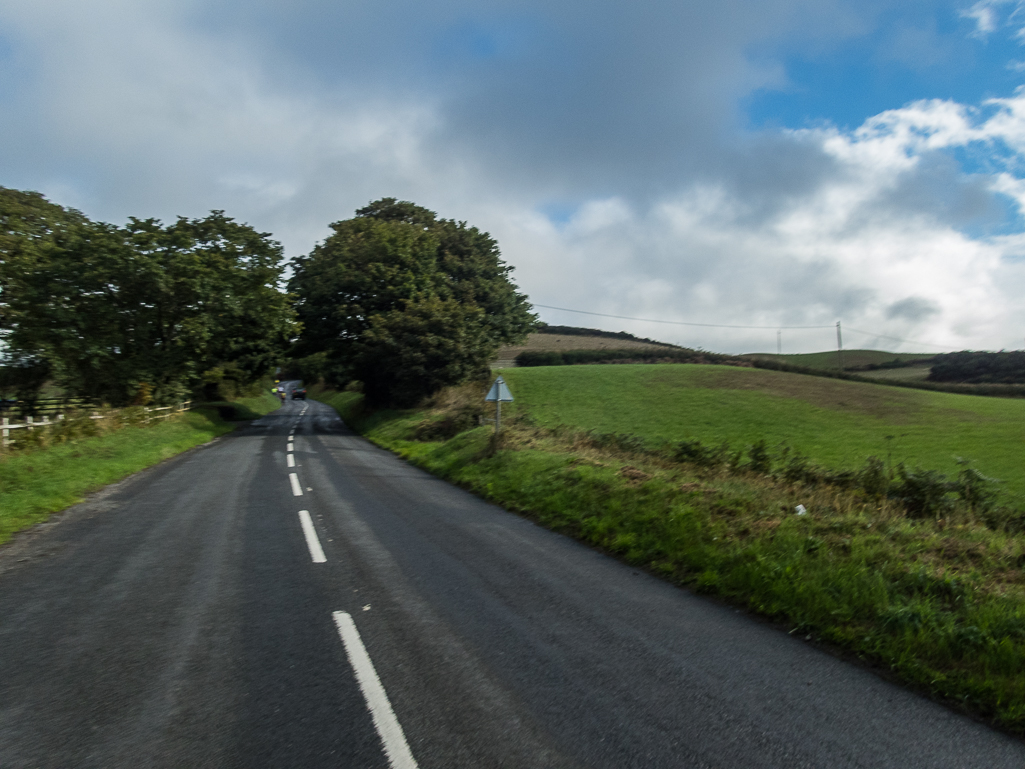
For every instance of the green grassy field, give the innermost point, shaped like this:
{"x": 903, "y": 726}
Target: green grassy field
{"x": 835, "y": 423}
{"x": 938, "y": 599}
{"x": 851, "y": 358}
{"x": 37, "y": 483}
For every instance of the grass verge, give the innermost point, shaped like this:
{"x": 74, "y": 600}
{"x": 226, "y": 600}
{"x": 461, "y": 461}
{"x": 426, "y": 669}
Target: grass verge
{"x": 37, "y": 483}
{"x": 252, "y": 407}
{"x": 937, "y": 601}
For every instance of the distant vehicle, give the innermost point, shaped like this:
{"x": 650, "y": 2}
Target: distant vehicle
{"x": 299, "y": 394}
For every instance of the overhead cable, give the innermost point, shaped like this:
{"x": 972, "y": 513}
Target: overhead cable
{"x": 723, "y": 325}
{"x": 897, "y": 338}
{"x": 672, "y": 322}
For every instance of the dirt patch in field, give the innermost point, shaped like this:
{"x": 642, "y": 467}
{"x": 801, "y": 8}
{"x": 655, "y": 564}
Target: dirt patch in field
{"x": 634, "y": 476}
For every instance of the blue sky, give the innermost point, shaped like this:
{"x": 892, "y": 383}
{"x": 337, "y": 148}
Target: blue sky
{"x": 763, "y": 163}
{"x": 910, "y": 52}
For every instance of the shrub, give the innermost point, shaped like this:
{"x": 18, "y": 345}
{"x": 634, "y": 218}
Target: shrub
{"x": 923, "y": 492}
{"x": 975, "y": 489}
{"x": 874, "y": 478}
{"x": 698, "y": 453}
{"x": 760, "y": 461}
{"x": 796, "y": 468}
{"x": 542, "y": 358}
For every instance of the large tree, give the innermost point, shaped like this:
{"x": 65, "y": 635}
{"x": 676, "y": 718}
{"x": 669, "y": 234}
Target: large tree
{"x": 141, "y": 310}
{"x": 30, "y": 228}
{"x": 406, "y": 302}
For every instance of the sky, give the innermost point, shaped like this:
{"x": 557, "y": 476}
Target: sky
{"x": 773, "y": 165}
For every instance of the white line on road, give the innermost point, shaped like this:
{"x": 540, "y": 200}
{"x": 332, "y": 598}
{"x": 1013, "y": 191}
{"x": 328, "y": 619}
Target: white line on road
{"x": 291, "y": 460}
{"x": 291, "y": 447}
{"x": 395, "y": 745}
{"x": 297, "y": 490}
{"x": 316, "y": 551}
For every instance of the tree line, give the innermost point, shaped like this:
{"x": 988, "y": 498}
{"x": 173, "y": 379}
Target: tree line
{"x": 395, "y": 298}
{"x": 979, "y": 367}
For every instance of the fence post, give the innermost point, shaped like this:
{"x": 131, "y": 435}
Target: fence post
{"x": 6, "y": 432}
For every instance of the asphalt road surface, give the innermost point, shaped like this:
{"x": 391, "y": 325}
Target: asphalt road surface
{"x": 193, "y": 616}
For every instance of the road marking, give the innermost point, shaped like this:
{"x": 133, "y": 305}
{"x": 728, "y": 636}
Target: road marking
{"x": 297, "y": 490}
{"x": 395, "y": 746}
{"x": 316, "y": 551}
{"x": 291, "y": 460}
{"x": 291, "y": 447}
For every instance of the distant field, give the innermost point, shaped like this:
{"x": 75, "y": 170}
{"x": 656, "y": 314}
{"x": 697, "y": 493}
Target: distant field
{"x": 562, "y": 343}
{"x": 908, "y": 374}
{"x": 851, "y": 358}
{"x": 836, "y": 423}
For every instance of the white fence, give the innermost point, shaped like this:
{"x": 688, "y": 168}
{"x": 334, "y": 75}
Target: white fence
{"x": 152, "y": 415}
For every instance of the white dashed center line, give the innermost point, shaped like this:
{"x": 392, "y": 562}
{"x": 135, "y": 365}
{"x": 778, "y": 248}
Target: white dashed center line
{"x": 291, "y": 447}
{"x": 312, "y": 542}
{"x": 395, "y": 746}
{"x": 291, "y": 460}
{"x": 297, "y": 490}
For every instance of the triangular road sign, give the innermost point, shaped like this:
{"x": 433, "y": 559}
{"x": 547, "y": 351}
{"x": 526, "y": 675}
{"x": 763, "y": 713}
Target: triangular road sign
{"x": 499, "y": 392}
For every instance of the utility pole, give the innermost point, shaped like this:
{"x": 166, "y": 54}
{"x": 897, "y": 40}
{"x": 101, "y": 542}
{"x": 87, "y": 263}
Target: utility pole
{"x": 839, "y": 346}
{"x": 779, "y": 342}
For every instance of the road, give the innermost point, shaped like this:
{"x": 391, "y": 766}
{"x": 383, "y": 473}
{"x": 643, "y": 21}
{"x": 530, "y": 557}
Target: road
{"x": 192, "y": 616}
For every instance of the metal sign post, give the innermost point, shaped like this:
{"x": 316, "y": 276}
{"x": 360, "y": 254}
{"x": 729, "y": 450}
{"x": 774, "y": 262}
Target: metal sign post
{"x": 498, "y": 393}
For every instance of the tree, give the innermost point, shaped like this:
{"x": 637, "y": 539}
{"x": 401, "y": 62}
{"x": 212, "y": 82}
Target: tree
{"x": 143, "y": 310}
{"x": 406, "y": 302}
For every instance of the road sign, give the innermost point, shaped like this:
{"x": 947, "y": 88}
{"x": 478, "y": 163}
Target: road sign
{"x": 499, "y": 392}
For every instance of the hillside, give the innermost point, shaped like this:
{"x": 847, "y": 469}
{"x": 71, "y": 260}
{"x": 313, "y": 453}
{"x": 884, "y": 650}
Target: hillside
{"x": 834, "y": 422}
{"x": 551, "y": 342}
{"x": 852, "y": 359}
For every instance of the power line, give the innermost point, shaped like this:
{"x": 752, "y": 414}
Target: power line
{"x": 722, "y": 325}
{"x": 671, "y": 322}
{"x": 898, "y": 339}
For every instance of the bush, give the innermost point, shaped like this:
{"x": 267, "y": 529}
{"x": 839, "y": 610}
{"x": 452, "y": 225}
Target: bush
{"x": 698, "y": 453}
{"x": 923, "y": 492}
{"x": 760, "y": 461}
{"x": 975, "y": 489}
{"x": 529, "y": 358}
{"x": 874, "y": 478}
{"x": 545, "y": 358}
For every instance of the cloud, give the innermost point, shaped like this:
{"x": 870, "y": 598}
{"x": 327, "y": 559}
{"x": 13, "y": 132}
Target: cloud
{"x": 913, "y": 308}
{"x": 601, "y": 142}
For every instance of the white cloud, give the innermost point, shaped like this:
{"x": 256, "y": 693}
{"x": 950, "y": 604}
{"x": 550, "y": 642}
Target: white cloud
{"x": 136, "y": 108}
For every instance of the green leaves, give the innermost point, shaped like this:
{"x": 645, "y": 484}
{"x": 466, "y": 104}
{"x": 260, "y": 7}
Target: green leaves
{"x": 405, "y": 302}
{"x": 118, "y": 311}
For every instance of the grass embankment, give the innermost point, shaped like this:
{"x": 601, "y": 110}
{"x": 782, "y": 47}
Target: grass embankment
{"x": 939, "y": 601}
{"x": 34, "y": 484}
{"x": 834, "y": 423}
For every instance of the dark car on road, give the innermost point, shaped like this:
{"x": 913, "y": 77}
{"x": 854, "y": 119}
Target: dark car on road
{"x": 299, "y": 394}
